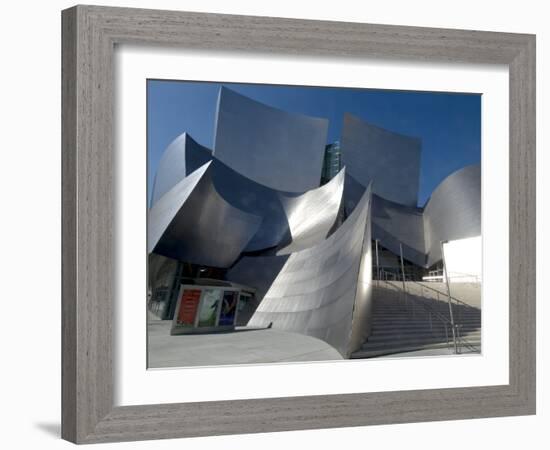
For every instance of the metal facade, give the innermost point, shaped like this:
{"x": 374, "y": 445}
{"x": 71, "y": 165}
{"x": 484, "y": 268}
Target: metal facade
{"x": 312, "y": 215}
{"x": 255, "y": 207}
{"x": 251, "y": 197}
{"x": 394, "y": 224}
{"x": 193, "y": 223}
{"x": 182, "y": 157}
{"x": 390, "y": 160}
{"x": 319, "y": 290}
{"x": 280, "y": 150}
{"x": 453, "y": 211}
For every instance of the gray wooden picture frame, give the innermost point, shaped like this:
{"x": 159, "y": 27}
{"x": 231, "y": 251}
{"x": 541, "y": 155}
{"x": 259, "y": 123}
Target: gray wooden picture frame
{"x": 89, "y": 35}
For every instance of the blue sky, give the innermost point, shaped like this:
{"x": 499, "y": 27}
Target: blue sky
{"x": 449, "y": 124}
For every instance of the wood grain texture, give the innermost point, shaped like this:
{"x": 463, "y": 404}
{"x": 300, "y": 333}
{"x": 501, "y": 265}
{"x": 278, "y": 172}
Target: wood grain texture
{"x": 89, "y": 36}
{"x": 68, "y": 224}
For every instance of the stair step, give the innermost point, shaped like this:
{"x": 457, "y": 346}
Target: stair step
{"x": 414, "y": 336}
{"x": 417, "y": 321}
{"x": 422, "y": 319}
{"x": 387, "y": 316}
{"x": 416, "y": 330}
{"x": 405, "y": 343}
{"x": 410, "y": 342}
{"x": 435, "y": 305}
{"x": 406, "y": 334}
{"x": 405, "y": 349}
{"x": 413, "y": 330}
{"x": 409, "y": 312}
{"x": 421, "y": 312}
{"x": 400, "y": 325}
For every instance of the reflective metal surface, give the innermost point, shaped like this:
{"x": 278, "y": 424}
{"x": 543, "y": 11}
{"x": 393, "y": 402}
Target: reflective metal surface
{"x": 312, "y": 215}
{"x": 390, "y": 160}
{"x": 353, "y": 192}
{"x": 275, "y": 148}
{"x": 394, "y": 224}
{"x": 183, "y": 156}
{"x": 255, "y": 207}
{"x": 325, "y": 291}
{"x": 165, "y": 209}
{"x": 453, "y": 211}
{"x": 291, "y": 221}
{"x": 251, "y": 197}
{"x": 193, "y": 223}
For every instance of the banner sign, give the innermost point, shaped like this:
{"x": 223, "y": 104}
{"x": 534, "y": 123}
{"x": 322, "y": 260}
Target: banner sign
{"x": 209, "y": 307}
{"x": 229, "y": 308}
{"x": 189, "y": 304}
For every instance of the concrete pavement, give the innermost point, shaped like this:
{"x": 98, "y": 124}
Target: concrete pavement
{"x": 243, "y": 346}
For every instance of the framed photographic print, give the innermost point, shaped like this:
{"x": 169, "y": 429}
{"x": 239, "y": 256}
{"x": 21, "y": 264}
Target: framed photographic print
{"x": 282, "y": 217}
{"x": 264, "y": 224}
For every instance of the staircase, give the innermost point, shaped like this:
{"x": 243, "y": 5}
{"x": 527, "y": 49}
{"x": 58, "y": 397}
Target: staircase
{"x": 418, "y": 321}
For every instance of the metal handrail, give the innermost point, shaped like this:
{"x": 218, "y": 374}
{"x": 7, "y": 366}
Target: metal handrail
{"x": 440, "y": 272}
{"x": 458, "y": 302}
{"x": 394, "y": 276}
{"x": 467, "y": 344}
{"x": 442, "y": 293}
{"x": 428, "y": 308}
{"x": 445, "y": 320}
{"x": 458, "y": 326}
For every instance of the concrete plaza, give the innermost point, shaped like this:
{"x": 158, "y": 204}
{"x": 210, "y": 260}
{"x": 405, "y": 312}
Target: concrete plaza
{"x": 242, "y": 346}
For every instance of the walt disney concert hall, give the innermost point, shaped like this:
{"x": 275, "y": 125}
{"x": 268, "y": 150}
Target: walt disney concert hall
{"x": 273, "y": 228}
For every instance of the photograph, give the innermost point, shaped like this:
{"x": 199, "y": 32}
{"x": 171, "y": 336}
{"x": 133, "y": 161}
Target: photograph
{"x": 304, "y": 223}
{"x": 267, "y": 225}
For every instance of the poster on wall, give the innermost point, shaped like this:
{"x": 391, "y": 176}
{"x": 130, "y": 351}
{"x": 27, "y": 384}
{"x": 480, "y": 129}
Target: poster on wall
{"x": 209, "y": 307}
{"x": 189, "y": 304}
{"x": 229, "y": 308}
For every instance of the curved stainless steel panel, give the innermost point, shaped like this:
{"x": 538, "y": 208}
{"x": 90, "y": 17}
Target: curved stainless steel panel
{"x": 250, "y": 197}
{"x": 277, "y": 149}
{"x": 393, "y": 224}
{"x": 390, "y": 160}
{"x": 253, "y": 198}
{"x": 183, "y": 156}
{"x": 318, "y": 289}
{"x": 453, "y": 211}
{"x": 353, "y": 192}
{"x": 166, "y": 208}
{"x": 193, "y": 223}
{"x": 312, "y": 215}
